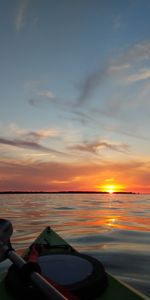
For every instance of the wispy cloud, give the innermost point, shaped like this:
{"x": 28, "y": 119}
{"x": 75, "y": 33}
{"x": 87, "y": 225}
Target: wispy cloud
{"x": 16, "y": 132}
{"x": 135, "y": 54}
{"x": 91, "y": 83}
{"x": 129, "y": 133}
{"x": 145, "y": 91}
{"x": 42, "y": 134}
{"x": 98, "y": 77}
{"x": 21, "y": 14}
{"x": 31, "y": 145}
{"x": 80, "y": 116}
{"x": 118, "y": 67}
{"x": 142, "y": 74}
{"x": 42, "y": 101}
{"x": 96, "y": 146}
{"x": 47, "y": 94}
{"x": 31, "y": 140}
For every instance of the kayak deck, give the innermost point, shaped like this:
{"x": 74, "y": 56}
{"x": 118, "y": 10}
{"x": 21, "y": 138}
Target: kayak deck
{"x": 116, "y": 290}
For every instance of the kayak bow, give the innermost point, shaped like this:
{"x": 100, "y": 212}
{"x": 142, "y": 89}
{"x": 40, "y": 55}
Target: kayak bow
{"x": 62, "y": 264}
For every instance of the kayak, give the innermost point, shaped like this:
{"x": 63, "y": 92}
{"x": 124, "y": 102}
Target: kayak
{"x": 62, "y": 264}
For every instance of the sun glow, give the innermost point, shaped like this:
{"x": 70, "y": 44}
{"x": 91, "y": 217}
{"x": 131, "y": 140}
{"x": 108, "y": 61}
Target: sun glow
{"x": 110, "y": 191}
{"x": 111, "y": 188}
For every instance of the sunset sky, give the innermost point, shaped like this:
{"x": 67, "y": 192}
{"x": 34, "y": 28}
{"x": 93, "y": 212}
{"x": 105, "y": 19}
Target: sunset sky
{"x": 75, "y": 95}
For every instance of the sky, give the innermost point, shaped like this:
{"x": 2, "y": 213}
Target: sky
{"x": 75, "y": 95}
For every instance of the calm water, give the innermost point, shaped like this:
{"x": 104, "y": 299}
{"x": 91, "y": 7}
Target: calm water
{"x": 113, "y": 228}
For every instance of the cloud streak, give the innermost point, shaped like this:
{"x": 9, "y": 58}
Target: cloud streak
{"x": 40, "y": 135}
{"x": 31, "y": 145}
{"x": 141, "y": 75}
{"x": 91, "y": 83}
{"x": 137, "y": 53}
{"x": 28, "y": 135}
{"x": 21, "y": 13}
{"x": 96, "y": 146}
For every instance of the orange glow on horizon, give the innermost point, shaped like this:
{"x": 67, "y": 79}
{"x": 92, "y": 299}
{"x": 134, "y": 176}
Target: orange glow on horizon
{"x": 61, "y": 176}
{"x": 111, "y": 188}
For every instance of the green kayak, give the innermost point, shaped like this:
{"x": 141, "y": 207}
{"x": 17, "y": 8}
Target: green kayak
{"x": 55, "y": 256}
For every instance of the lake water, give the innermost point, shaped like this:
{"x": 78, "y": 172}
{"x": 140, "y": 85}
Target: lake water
{"x": 113, "y": 228}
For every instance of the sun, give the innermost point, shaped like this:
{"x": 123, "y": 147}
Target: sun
{"x": 112, "y": 188}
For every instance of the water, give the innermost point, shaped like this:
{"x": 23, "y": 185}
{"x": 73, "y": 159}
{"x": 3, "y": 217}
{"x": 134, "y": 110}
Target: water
{"x": 113, "y": 228}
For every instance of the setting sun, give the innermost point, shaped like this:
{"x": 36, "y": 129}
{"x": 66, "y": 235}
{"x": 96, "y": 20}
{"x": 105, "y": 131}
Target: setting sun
{"x": 111, "y": 188}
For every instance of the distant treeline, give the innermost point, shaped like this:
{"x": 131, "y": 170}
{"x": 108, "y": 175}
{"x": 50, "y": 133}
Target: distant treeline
{"x": 62, "y": 192}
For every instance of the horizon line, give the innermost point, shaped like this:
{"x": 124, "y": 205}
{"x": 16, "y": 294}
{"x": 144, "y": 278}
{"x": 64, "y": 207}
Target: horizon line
{"x": 68, "y": 192}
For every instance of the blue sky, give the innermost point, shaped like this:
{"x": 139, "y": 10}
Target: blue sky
{"x": 75, "y": 88}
